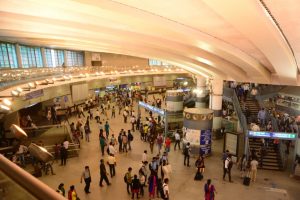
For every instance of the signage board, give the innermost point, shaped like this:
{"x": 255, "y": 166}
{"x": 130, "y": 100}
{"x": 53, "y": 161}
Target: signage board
{"x": 273, "y": 135}
{"x": 152, "y": 108}
{"x": 34, "y": 94}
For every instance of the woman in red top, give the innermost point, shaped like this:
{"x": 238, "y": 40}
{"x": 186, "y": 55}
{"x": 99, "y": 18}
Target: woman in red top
{"x": 209, "y": 190}
{"x": 168, "y": 144}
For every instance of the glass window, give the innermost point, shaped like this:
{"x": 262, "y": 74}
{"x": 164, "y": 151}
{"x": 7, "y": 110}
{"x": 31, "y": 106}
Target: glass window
{"x": 31, "y": 56}
{"x": 54, "y": 57}
{"x": 74, "y": 58}
{"x": 8, "y": 57}
{"x": 153, "y": 62}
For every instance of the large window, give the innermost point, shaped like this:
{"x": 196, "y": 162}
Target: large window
{"x": 8, "y": 56}
{"x": 74, "y": 58}
{"x": 54, "y": 57}
{"x": 31, "y": 56}
{"x": 153, "y": 62}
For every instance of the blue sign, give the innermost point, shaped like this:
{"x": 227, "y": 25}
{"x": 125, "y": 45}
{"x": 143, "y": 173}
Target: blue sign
{"x": 34, "y": 94}
{"x": 152, "y": 108}
{"x": 274, "y": 135}
{"x": 205, "y": 137}
{"x": 205, "y": 142}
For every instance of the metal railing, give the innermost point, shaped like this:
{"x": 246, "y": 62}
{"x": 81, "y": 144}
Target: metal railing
{"x": 19, "y": 183}
{"x": 230, "y": 93}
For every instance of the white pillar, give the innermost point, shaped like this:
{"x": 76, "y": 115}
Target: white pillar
{"x": 45, "y": 64}
{"x": 201, "y": 92}
{"x": 19, "y": 58}
{"x": 215, "y": 102}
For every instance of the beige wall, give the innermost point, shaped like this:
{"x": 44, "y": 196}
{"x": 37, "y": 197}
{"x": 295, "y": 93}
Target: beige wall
{"x": 87, "y": 58}
{"x": 118, "y": 60}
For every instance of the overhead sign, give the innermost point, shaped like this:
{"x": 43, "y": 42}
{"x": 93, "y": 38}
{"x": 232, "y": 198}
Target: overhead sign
{"x": 151, "y": 108}
{"x": 273, "y": 135}
{"x": 34, "y": 94}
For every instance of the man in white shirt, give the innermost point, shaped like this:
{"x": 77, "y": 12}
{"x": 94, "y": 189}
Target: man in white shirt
{"x": 21, "y": 154}
{"x": 66, "y": 144}
{"x": 144, "y": 156}
{"x": 253, "y": 165}
{"x": 177, "y": 140}
{"x": 111, "y": 161}
{"x": 86, "y": 175}
{"x": 112, "y": 149}
{"x": 166, "y": 189}
{"x": 228, "y": 166}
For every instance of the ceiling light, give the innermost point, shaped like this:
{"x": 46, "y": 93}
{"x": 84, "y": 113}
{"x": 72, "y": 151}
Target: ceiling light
{"x": 37, "y": 83}
{"x": 31, "y": 85}
{"x": 53, "y": 79}
{"x": 18, "y": 132}
{"x": 19, "y": 89}
{"x": 205, "y": 61}
{"x": 6, "y": 102}
{"x": 14, "y": 93}
{"x": 3, "y": 107}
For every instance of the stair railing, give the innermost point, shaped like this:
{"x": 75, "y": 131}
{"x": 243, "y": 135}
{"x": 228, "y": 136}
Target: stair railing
{"x": 24, "y": 183}
{"x": 230, "y": 93}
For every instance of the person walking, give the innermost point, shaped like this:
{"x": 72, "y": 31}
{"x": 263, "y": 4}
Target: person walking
{"x": 111, "y": 161}
{"x": 124, "y": 142}
{"x": 253, "y": 166}
{"x": 200, "y": 164}
{"x": 142, "y": 179}
{"x": 177, "y": 140}
{"x": 103, "y": 174}
{"x": 144, "y": 156}
{"x": 159, "y": 142}
{"x": 87, "y": 132}
{"x": 86, "y": 175}
{"x": 63, "y": 154}
{"x": 128, "y": 180}
{"x": 102, "y": 144}
{"x": 167, "y": 145}
{"x": 135, "y": 187}
{"x": 130, "y": 139}
{"x": 166, "y": 190}
{"x": 187, "y": 152}
{"x": 107, "y": 128}
{"x": 209, "y": 190}
{"x": 120, "y": 141}
{"x": 125, "y": 115}
{"x": 72, "y": 194}
{"x": 113, "y": 112}
{"x": 61, "y": 189}
{"x": 228, "y": 166}
{"x": 152, "y": 182}
{"x": 132, "y": 121}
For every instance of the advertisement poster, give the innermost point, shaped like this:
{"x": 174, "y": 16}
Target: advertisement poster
{"x": 205, "y": 142}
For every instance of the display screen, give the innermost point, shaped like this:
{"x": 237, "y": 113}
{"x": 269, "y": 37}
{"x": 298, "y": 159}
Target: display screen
{"x": 151, "y": 108}
{"x": 278, "y": 135}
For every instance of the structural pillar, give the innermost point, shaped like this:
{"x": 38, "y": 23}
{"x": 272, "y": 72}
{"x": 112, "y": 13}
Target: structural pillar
{"x": 215, "y": 102}
{"x": 45, "y": 64}
{"x": 174, "y": 100}
{"x": 201, "y": 92}
{"x": 19, "y": 58}
{"x": 197, "y": 127}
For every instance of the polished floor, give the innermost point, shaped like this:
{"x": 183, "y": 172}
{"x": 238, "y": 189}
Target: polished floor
{"x": 271, "y": 185}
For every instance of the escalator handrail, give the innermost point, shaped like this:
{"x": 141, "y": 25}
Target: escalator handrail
{"x": 31, "y": 184}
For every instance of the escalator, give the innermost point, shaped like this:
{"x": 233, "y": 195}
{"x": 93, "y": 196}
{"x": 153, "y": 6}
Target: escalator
{"x": 17, "y": 184}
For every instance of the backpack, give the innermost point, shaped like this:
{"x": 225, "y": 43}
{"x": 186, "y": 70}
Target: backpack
{"x": 161, "y": 191}
{"x": 130, "y": 137}
{"x": 125, "y": 177}
{"x": 186, "y": 151}
{"x": 230, "y": 164}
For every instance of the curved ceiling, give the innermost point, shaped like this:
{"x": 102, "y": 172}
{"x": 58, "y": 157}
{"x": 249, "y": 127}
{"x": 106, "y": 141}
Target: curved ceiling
{"x": 232, "y": 40}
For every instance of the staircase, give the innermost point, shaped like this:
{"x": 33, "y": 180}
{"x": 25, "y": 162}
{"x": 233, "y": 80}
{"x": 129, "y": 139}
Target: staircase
{"x": 271, "y": 160}
{"x": 252, "y": 106}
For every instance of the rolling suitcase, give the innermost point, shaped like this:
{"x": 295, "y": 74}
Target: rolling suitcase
{"x": 246, "y": 181}
{"x": 198, "y": 176}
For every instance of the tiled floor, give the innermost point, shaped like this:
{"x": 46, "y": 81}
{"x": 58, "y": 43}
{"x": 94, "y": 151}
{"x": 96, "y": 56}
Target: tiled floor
{"x": 182, "y": 185}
